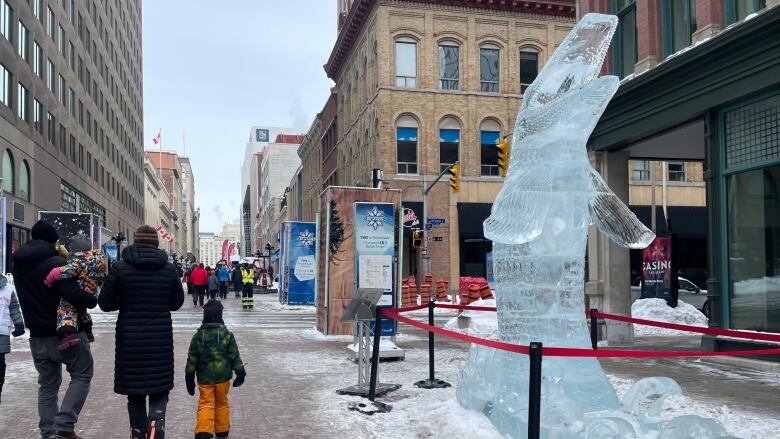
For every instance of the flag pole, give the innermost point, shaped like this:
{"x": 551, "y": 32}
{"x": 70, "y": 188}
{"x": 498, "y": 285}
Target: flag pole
{"x": 159, "y": 142}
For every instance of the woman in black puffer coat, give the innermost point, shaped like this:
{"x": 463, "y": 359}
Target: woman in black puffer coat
{"x": 144, "y": 287}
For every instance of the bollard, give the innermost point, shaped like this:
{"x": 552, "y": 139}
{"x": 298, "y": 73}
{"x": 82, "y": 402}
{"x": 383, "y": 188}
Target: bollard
{"x": 534, "y": 390}
{"x": 594, "y": 328}
{"x": 431, "y": 382}
{"x": 375, "y": 355}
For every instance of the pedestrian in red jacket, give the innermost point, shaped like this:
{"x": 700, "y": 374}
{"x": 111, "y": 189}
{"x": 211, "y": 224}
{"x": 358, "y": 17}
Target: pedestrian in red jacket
{"x": 200, "y": 279}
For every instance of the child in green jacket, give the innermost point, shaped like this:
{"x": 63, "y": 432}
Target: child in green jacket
{"x": 213, "y": 356}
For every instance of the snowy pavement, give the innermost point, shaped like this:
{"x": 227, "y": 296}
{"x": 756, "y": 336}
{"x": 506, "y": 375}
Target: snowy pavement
{"x": 293, "y": 373}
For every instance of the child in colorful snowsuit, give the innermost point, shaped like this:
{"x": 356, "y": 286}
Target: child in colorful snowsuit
{"x": 89, "y": 268}
{"x": 10, "y": 317}
{"x": 213, "y": 357}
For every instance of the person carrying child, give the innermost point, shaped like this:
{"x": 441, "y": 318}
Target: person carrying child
{"x": 88, "y": 267}
{"x": 213, "y": 357}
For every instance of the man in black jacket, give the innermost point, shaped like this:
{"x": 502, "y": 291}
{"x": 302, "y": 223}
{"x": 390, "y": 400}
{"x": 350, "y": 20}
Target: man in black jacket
{"x": 31, "y": 263}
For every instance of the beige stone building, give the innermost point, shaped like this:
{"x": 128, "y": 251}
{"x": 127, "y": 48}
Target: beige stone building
{"x": 421, "y": 85}
{"x": 684, "y": 183}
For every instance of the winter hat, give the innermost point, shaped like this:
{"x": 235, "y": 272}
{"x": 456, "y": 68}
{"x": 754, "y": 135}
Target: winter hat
{"x": 146, "y": 235}
{"x": 80, "y": 244}
{"x": 212, "y": 312}
{"x": 45, "y": 231}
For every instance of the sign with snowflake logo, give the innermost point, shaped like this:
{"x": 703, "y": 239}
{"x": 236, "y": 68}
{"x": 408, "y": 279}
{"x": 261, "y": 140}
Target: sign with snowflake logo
{"x": 375, "y": 218}
{"x": 306, "y": 238}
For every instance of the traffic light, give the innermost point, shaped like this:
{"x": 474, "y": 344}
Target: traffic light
{"x": 455, "y": 177}
{"x": 417, "y": 236}
{"x": 503, "y": 156}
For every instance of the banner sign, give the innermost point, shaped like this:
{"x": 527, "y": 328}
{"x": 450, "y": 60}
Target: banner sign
{"x": 298, "y": 260}
{"x": 374, "y": 252}
{"x": 261, "y": 135}
{"x": 657, "y": 269}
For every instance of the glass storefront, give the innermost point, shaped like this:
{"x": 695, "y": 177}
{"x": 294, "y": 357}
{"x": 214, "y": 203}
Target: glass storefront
{"x": 752, "y": 185}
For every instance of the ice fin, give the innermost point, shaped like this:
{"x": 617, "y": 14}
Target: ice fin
{"x": 646, "y": 397}
{"x": 691, "y": 426}
{"x": 614, "y": 218}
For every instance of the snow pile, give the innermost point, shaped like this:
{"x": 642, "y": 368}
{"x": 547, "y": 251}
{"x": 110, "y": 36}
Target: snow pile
{"x": 658, "y": 310}
{"x": 481, "y": 324}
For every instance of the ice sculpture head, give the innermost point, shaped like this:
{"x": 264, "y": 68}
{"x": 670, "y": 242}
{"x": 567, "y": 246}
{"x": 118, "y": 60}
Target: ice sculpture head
{"x": 549, "y": 166}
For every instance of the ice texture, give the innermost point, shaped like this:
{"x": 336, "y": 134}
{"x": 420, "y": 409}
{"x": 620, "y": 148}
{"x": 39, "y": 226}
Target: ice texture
{"x": 538, "y": 225}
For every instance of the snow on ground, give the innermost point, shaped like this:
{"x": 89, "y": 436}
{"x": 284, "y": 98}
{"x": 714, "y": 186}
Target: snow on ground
{"x": 477, "y": 323}
{"x": 658, "y": 310}
{"x": 278, "y": 307}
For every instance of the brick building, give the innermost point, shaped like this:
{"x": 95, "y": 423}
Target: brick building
{"x": 423, "y": 84}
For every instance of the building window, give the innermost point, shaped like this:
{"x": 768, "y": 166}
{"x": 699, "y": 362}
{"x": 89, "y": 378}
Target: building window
{"x": 62, "y": 92}
{"x": 5, "y": 86}
{"x": 38, "y": 116}
{"x": 678, "y": 24}
{"x": 738, "y": 10}
{"x": 624, "y": 48}
{"x": 72, "y": 149}
{"x": 6, "y": 20}
{"x": 71, "y": 55}
{"x": 81, "y": 156}
{"x": 449, "y": 66}
{"x": 406, "y": 145}
{"x": 37, "y": 60}
{"x": 8, "y": 172}
{"x": 62, "y": 40}
{"x": 489, "y": 135}
{"x": 52, "y": 127}
{"x": 489, "y": 66}
{"x": 72, "y": 102}
{"x": 405, "y": 63}
{"x": 38, "y": 9}
{"x": 529, "y": 68}
{"x": 640, "y": 170}
{"x": 50, "y": 75}
{"x": 50, "y": 23}
{"x": 676, "y": 171}
{"x": 21, "y": 102}
{"x": 63, "y": 140}
{"x": 24, "y": 34}
{"x": 24, "y": 181}
{"x": 449, "y": 143}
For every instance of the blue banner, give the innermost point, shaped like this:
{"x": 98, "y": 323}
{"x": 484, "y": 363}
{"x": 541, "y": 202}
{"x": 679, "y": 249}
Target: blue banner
{"x": 299, "y": 262}
{"x": 374, "y": 253}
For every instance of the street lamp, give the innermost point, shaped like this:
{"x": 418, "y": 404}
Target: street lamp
{"x": 119, "y": 238}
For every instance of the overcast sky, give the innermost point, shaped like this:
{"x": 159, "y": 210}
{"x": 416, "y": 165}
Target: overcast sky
{"x": 214, "y": 69}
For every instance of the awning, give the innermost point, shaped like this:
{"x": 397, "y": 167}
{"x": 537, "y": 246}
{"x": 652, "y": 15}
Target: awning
{"x": 470, "y": 219}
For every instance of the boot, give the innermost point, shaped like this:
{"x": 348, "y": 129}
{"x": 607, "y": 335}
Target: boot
{"x": 203, "y": 435}
{"x": 156, "y": 427}
{"x": 223, "y": 435}
{"x": 137, "y": 433}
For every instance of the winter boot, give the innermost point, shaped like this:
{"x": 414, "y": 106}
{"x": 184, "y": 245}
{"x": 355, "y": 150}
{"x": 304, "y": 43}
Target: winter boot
{"x": 137, "y": 433}
{"x": 203, "y": 435}
{"x": 223, "y": 435}
{"x": 156, "y": 427}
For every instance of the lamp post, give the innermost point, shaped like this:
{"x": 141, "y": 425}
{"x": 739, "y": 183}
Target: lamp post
{"x": 119, "y": 238}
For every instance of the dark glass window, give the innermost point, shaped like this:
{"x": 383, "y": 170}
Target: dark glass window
{"x": 449, "y": 66}
{"x": 489, "y": 153}
{"x": 529, "y": 68}
{"x": 625, "y": 46}
{"x": 449, "y": 143}
{"x": 489, "y": 67}
{"x": 676, "y": 171}
{"x": 406, "y": 144}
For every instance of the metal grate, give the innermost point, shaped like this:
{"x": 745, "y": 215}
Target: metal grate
{"x": 752, "y": 133}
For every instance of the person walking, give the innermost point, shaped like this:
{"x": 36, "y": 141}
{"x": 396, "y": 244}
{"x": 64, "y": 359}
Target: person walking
{"x": 212, "y": 358}
{"x": 223, "y": 276}
{"x": 247, "y": 293}
{"x": 213, "y": 283}
{"x": 238, "y": 282}
{"x": 200, "y": 280}
{"x": 10, "y": 317}
{"x": 188, "y": 281}
{"x": 32, "y": 262}
{"x": 144, "y": 287}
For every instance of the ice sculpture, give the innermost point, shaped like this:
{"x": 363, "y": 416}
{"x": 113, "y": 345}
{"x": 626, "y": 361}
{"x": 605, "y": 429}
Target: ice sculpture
{"x": 538, "y": 226}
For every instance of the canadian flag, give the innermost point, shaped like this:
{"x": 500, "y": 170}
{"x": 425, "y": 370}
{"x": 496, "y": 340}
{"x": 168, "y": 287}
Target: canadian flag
{"x": 164, "y": 234}
{"x": 156, "y": 139}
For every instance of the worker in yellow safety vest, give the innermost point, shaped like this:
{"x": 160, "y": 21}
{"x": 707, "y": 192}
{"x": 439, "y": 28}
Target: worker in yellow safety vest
{"x": 248, "y": 281}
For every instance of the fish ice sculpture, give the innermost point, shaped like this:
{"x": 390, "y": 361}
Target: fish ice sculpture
{"x": 539, "y": 225}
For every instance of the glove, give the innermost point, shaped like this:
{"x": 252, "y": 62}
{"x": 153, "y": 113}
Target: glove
{"x": 190, "y": 378}
{"x": 240, "y": 375}
{"x": 18, "y": 331}
{"x": 53, "y": 276}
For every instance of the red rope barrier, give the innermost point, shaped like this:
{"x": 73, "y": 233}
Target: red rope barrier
{"x": 575, "y": 352}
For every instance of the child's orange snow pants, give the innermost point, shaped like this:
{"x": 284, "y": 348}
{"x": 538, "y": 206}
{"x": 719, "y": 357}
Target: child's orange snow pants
{"x": 213, "y": 408}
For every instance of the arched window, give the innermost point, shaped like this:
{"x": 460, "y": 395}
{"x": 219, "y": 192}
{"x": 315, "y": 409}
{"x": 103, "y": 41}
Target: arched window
{"x": 8, "y": 172}
{"x": 406, "y": 145}
{"x": 449, "y": 142}
{"x": 489, "y": 134}
{"x": 449, "y": 65}
{"x": 529, "y": 67}
{"x": 405, "y": 62}
{"x": 24, "y": 181}
{"x": 489, "y": 68}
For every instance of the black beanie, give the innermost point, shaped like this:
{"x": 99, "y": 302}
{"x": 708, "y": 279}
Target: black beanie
{"x": 212, "y": 312}
{"x": 45, "y": 231}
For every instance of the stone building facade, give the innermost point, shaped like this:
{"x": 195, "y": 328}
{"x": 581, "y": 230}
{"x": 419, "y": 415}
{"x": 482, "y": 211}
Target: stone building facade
{"x": 420, "y": 85}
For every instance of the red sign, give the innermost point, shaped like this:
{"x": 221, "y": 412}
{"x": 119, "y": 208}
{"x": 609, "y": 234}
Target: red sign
{"x": 657, "y": 268}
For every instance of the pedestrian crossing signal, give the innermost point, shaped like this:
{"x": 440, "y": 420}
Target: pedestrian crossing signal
{"x": 455, "y": 177}
{"x": 417, "y": 236}
{"x": 503, "y": 156}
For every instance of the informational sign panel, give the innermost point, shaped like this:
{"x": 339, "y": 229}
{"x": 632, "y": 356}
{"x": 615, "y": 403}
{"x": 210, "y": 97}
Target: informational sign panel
{"x": 298, "y": 260}
{"x": 657, "y": 269}
{"x": 374, "y": 251}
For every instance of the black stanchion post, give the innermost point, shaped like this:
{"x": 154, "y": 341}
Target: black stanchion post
{"x": 534, "y": 390}
{"x": 375, "y": 355}
{"x": 594, "y": 328}
{"x": 431, "y": 372}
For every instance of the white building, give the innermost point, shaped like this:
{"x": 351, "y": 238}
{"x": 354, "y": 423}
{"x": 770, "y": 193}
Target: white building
{"x": 211, "y": 244}
{"x": 157, "y": 210}
{"x": 190, "y": 215}
{"x": 280, "y": 163}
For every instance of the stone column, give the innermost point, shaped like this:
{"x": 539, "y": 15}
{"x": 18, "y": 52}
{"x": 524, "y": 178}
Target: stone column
{"x": 710, "y": 19}
{"x": 608, "y": 281}
{"x": 648, "y": 33}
